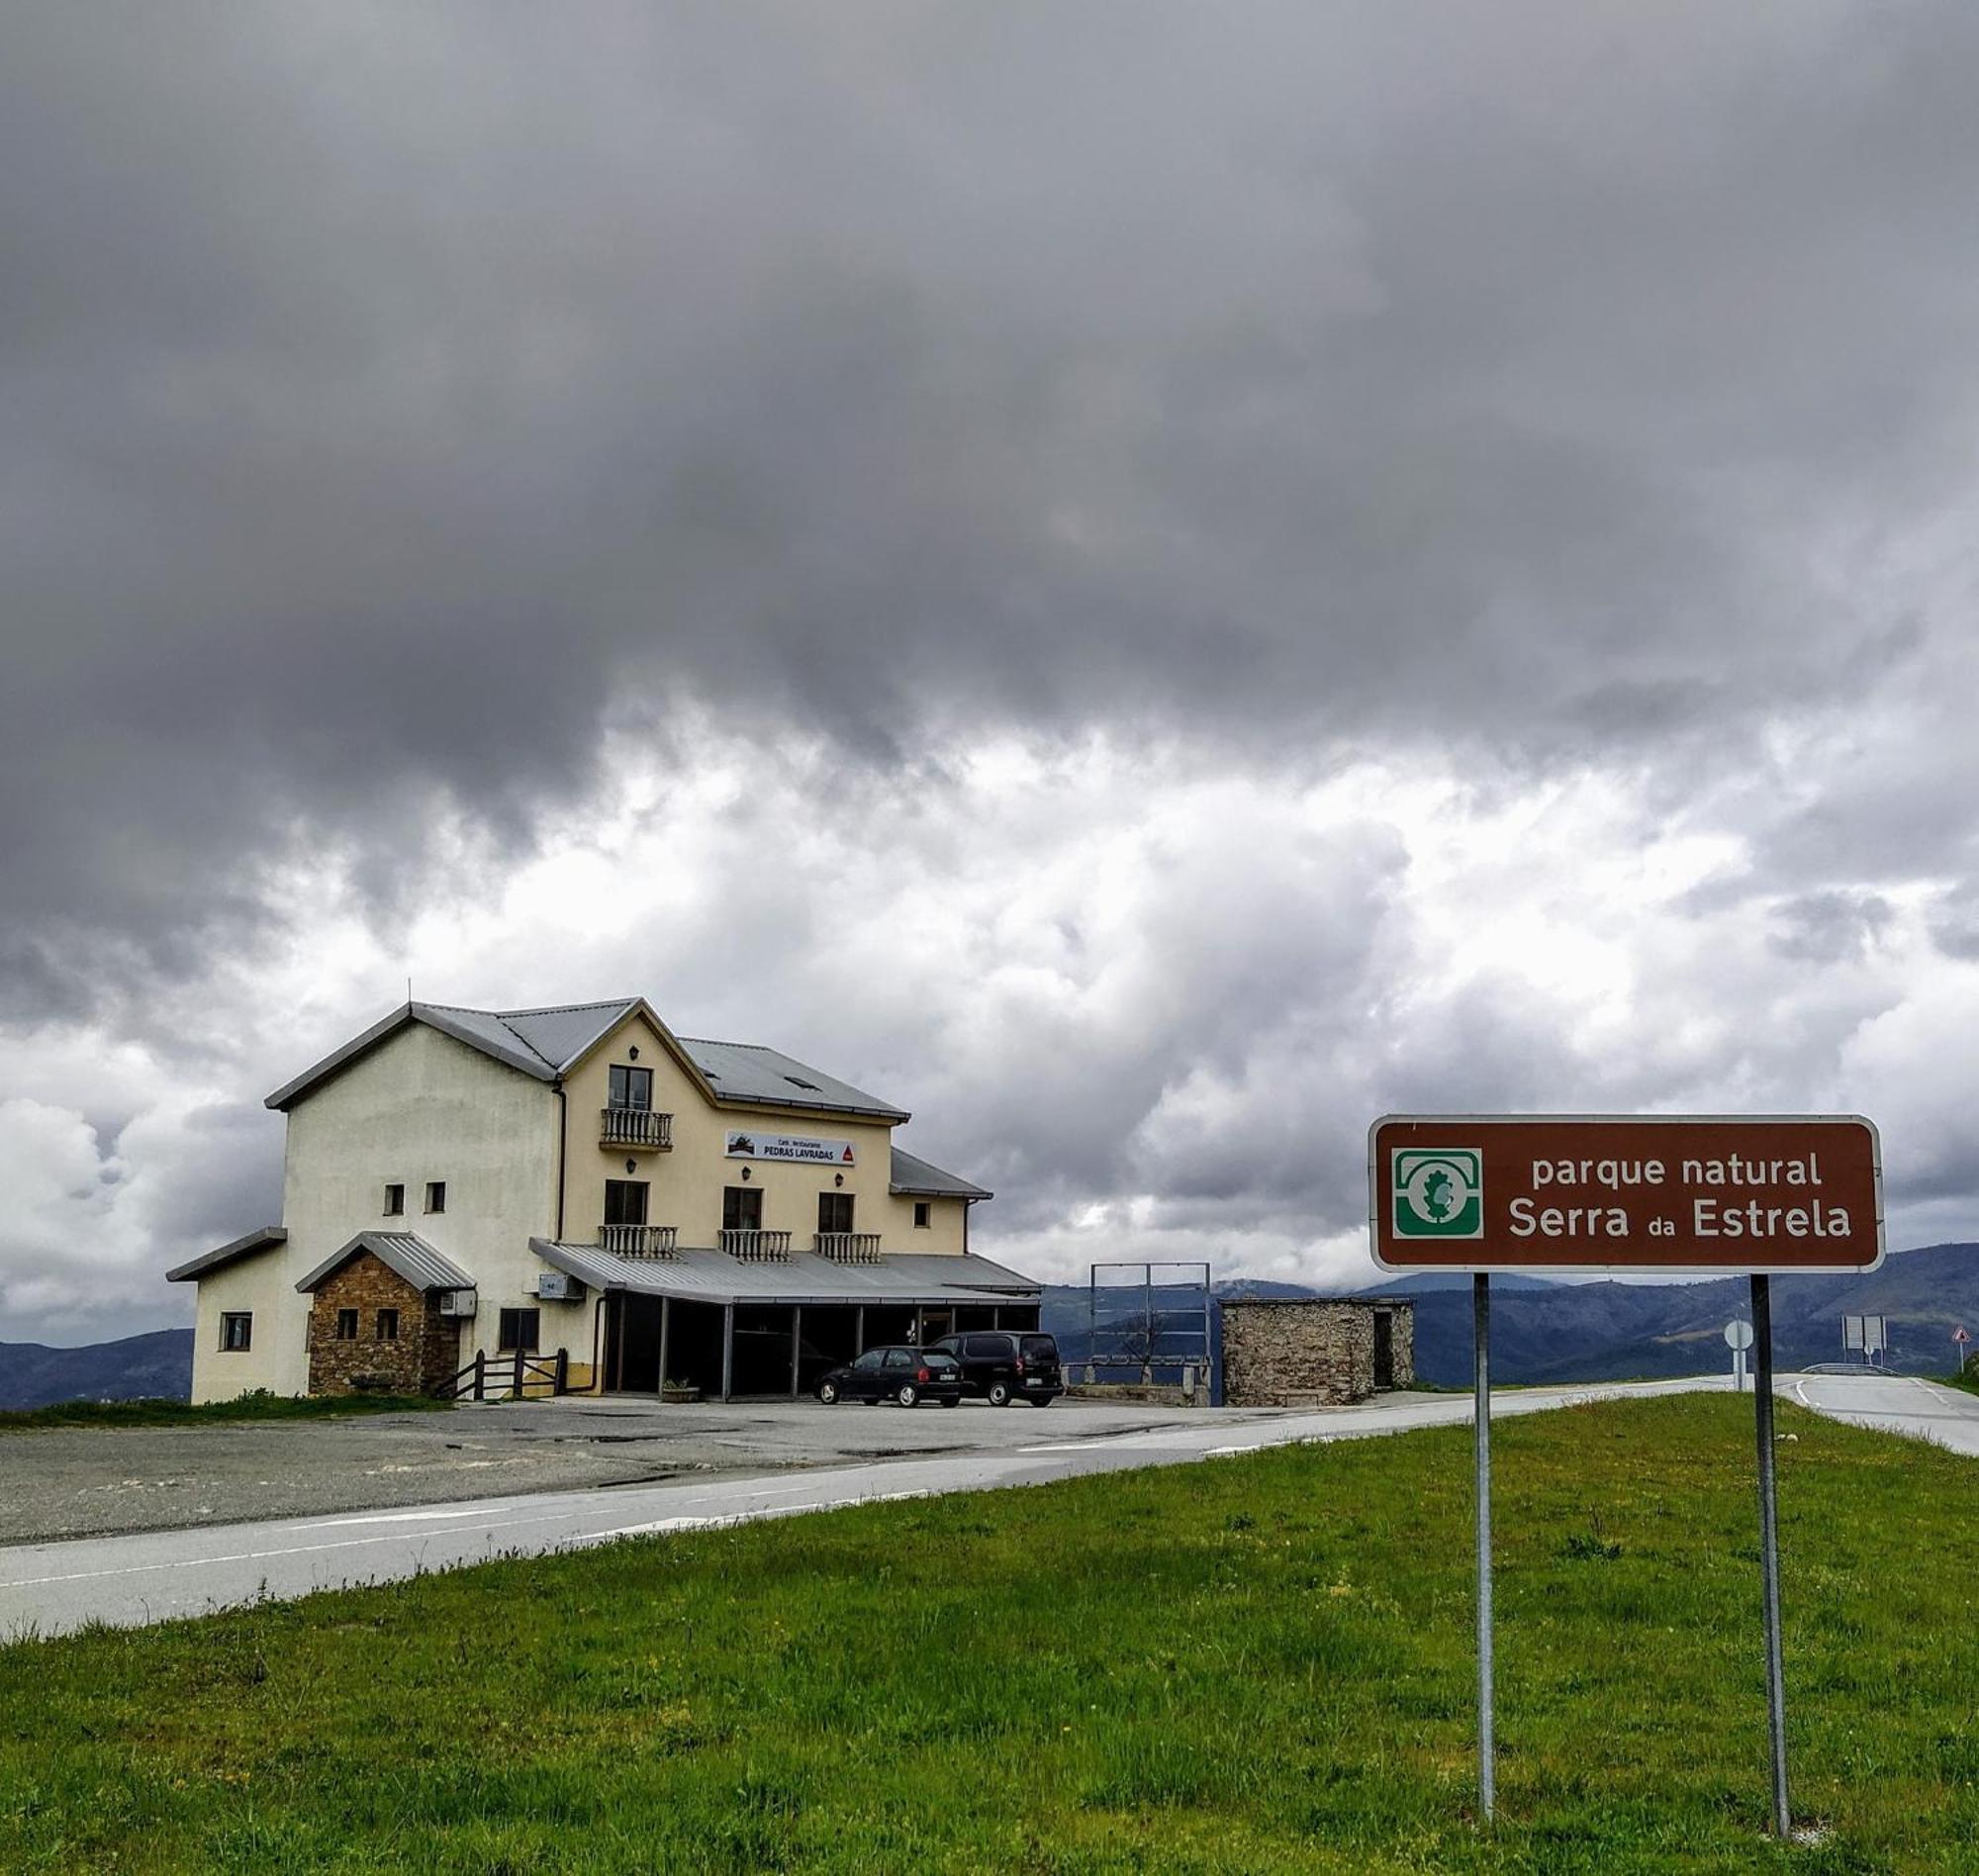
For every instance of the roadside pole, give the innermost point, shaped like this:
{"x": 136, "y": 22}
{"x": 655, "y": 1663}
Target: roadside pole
{"x": 1480, "y": 1320}
{"x": 1769, "y": 1547}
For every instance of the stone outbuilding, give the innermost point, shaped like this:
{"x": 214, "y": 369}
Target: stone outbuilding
{"x": 378, "y": 1320}
{"x": 1315, "y": 1350}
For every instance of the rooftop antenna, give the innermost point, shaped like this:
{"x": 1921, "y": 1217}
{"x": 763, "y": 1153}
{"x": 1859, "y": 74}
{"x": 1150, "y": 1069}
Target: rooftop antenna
{"x": 409, "y": 990}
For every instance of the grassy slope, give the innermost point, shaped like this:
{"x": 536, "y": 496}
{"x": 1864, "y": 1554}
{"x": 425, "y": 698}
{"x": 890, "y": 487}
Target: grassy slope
{"x": 179, "y": 1413}
{"x": 1250, "y": 1665}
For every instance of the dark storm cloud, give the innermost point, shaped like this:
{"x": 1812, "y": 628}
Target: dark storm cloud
{"x": 394, "y": 397}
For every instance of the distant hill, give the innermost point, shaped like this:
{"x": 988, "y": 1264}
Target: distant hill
{"x": 1592, "y": 1332}
{"x": 1548, "y": 1331}
{"x": 152, "y": 1366}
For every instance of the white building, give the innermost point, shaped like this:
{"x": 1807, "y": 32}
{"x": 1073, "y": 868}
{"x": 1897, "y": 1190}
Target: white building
{"x": 581, "y": 1184}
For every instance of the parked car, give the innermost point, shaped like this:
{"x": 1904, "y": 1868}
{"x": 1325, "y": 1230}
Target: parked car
{"x": 897, "y": 1374}
{"x": 1007, "y": 1365}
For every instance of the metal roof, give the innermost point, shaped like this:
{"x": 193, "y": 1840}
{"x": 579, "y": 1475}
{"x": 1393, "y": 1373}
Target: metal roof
{"x": 412, "y": 1258}
{"x": 479, "y": 1028}
{"x": 712, "y": 1276}
{"x": 565, "y": 1032}
{"x": 921, "y": 1178}
{"x": 263, "y": 1240}
{"x": 766, "y": 1078}
{"x": 546, "y": 1043}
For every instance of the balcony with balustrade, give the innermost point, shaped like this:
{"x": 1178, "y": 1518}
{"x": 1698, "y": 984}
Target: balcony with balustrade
{"x": 638, "y": 1128}
{"x": 848, "y": 1247}
{"x": 638, "y": 1240}
{"x": 757, "y": 1247}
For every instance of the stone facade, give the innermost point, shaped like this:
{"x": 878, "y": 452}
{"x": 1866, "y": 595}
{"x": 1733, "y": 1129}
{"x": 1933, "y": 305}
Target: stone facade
{"x": 425, "y": 1352}
{"x": 1312, "y": 1352}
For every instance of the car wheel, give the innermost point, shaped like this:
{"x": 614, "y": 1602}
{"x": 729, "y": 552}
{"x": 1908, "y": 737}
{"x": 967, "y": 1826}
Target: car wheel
{"x": 828, "y": 1391}
{"x": 999, "y": 1394}
{"x": 909, "y": 1394}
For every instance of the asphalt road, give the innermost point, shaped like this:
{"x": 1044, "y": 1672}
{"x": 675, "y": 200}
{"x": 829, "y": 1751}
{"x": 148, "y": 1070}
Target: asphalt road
{"x": 1890, "y": 1403}
{"x": 153, "y": 1575}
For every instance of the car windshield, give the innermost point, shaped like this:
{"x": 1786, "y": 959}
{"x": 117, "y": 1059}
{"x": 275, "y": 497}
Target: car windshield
{"x": 936, "y": 1360}
{"x": 870, "y": 1360}
{"x": 1040, "y": 1348}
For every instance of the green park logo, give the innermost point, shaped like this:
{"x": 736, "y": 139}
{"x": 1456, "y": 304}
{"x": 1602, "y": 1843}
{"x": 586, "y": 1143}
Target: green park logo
{"x": 1439, "y": 1191}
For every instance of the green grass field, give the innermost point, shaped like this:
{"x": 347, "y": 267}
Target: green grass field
{"x": 1250, "y": 1665}
{"x": 179, "y": 1413}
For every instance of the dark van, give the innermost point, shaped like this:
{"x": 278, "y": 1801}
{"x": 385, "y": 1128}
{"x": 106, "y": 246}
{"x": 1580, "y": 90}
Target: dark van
{"x": 1007, "y": 1365}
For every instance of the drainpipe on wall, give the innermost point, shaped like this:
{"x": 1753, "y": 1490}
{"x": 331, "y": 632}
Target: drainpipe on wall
{"x": 563, "y": 1144}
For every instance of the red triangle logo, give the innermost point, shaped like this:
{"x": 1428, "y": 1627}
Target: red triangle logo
{"x": 848, "y": 1156}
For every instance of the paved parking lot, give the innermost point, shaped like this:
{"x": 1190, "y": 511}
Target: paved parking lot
{"x": 71, "y": 1483}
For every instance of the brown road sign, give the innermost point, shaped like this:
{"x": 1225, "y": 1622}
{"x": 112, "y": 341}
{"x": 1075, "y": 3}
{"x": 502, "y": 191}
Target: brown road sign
{"x": 1625, "y": 1192}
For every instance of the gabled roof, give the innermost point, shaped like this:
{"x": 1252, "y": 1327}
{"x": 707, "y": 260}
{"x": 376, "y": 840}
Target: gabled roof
{"x": 412, "y": 1258}
{"x": 541, "y": 1043}
{"x": 917, "y": 1178}
{"x": 266, "y": 1239}
{"x": 549, "y": 1042}
{"x": 746, "y": 1071}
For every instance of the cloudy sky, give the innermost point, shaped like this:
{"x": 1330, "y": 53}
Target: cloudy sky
{"x": 1148, "y": 582}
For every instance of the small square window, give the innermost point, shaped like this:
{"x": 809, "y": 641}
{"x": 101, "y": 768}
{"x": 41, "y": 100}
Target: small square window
{"x": 436, "y": 1195}
{"x": 630, "y": 1088}
{"x": 388, "y": 1325}
{"x": 395, "y": 1201}
{"x": 625, "y": 1201}
{"x": 518, "y": 1331}
{"x": 346, "y": 1324}
{"x": 236, "y": 1330}
{"x": 923, "y": 1215}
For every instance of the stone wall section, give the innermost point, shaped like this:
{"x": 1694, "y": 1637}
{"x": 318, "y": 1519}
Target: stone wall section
{"x": 1404, "y": 1318}
{"x": 425, "y": 1353}
{"x": 1309, "y": 1352}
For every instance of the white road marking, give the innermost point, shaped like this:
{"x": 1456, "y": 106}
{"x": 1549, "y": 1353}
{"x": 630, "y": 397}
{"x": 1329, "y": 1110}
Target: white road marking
{"x": 251, "y": 1557}
{"x": 393, "y": 1517}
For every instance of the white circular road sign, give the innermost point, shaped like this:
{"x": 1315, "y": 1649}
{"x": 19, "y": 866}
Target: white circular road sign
{"x": 1738, "y": 1334}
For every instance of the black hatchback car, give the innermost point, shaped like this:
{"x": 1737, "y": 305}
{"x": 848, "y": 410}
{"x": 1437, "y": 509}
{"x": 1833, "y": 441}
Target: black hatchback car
{"x": 906, "y": 1375}
{"x": 1007, "y": 1365}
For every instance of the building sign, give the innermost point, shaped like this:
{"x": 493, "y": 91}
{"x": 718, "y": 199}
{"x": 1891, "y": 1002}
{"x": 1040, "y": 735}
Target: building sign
{"x": 1635, "y": 1192}
{"x": 747, "y": 1143}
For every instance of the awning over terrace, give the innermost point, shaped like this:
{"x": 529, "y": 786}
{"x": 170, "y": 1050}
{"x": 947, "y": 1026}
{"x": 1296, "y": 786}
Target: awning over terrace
{"x": 713, "y": 1277}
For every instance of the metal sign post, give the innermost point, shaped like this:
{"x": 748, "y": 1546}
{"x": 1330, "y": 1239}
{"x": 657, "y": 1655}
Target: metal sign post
{"x": 1480, "y": 1328}
{"x": 1739, "y": 1338}
{"x": 1769, "y": 1547}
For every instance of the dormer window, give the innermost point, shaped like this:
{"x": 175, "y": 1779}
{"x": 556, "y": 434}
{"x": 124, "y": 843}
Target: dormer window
{"x": 632, "y": 1088}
